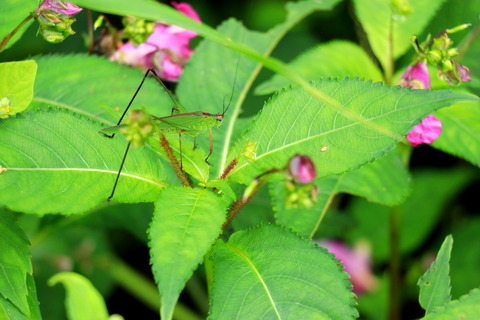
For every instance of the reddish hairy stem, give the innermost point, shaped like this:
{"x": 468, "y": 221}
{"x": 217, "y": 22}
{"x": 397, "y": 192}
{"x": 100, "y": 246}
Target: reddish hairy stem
{"x": 173, "y": 160}
{"x": 228, "y": 169}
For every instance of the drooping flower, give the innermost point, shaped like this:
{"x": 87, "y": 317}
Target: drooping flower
{"x": 356, "y": 262}
{"x": 302, "y": 169}
{"x": 166, "y": 48}
{"x": 426, "y": 132}
{"x": 55, "y": 19}
{"x": 416, "y": 76}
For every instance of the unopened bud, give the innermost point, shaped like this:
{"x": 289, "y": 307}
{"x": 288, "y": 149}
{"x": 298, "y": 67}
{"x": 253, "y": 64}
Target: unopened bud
{"x": 137, "y": 30}
{"x": 55, "y": 19}
{"x": 302, "y": 169}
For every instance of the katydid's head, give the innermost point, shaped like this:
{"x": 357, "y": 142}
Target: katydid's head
{"x": 219, "y": 119}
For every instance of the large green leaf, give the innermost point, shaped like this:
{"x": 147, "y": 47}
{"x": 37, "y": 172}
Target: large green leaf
{"x": 95, "y": 87}
{"x": 82, "y": 301}
{"x": 294, "y": 122}
{"x": 435, "y": 282}
{"x": 16, "y": 83}
{"x": 461, "y": 131}
{"x": 389, "y": 34}
{"x": 185, "y": 224}
{"x": 334, "y": 59}
{"x": 467, "y": 307}
{"x": 57, "y": 161}
{"x": 13, "y": 13}
{"x": 15, "y": 263}
{"x": 255, "y": 277}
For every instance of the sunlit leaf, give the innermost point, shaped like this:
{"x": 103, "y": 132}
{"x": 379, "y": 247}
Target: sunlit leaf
{"x": 83, "y": 301}
{"x": 294, "y": 122}
{"x": 57, "y": 161}
{"x": 255, "y": 277}
{"x": 16, "y": 84}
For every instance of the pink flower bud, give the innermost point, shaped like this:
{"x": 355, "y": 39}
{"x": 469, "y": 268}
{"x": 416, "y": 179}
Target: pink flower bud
{"x": 302, "y": 169}
{"x": 464, "y": 73}
{"x": 426, "y": 132}
{"x": 356, "y": 262}
{"x": 66, "y": 8}
{"x": 416, "y": 76}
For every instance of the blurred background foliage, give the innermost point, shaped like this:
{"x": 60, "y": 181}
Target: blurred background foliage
{"x": 443, "y": 198}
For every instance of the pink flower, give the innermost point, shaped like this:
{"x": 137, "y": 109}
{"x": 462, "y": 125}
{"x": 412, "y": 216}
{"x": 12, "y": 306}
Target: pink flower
{"x": 416, "y": 76}
{"x": 166, "y": 49}
{"x": 426, "y": 132}
{"x": 356, "y": 262}
{"x": 302, "y": 169}
{"x": 66, "y": 8}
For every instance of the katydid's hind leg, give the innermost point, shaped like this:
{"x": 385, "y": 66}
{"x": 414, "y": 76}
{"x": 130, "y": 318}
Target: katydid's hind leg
{"x": 119, "y": 172}
{"x": 180, "y": 148}
{"x": 211, "y": 147}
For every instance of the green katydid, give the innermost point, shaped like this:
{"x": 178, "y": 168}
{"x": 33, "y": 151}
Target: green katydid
{"x": 184, "y": 122}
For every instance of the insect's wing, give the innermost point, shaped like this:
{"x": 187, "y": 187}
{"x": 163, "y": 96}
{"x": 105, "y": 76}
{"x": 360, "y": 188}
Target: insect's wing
{"x": 189, "y": 123}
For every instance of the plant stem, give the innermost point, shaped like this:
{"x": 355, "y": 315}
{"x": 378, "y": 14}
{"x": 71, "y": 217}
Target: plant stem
{"x": 11, "y": 34}
{"x": 140, "y": 287}
{"x": 388, "y": 67}
{"x": 467, "y": 44}
{"x": 394, "y": 312}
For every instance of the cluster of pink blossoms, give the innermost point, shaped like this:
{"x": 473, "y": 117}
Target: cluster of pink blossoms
{"x": 166, "y": 49}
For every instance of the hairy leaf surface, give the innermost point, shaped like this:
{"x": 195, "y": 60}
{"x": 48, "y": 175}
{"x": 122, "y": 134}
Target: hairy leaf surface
{"x": 295, "y": 122}
{"x": 185, "y": 224}
{"x": 255, "y": 277}
{"x": 57, "y": 161}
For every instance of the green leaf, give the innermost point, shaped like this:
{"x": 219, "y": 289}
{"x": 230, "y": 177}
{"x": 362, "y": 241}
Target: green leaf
{"x": 334, "y": 59}
{"x": 83, "y": 301}
{"x": 255, "y": 277}
{"x": 461, "y": 131}
{"x": 435, "y": 282}
{"x": 95, "y": 87}
{"x": 73, "y": 164}
{"x": 378, "y": 20}
{"x": 385, "y": 181}
{"x": 467, "y": 307}
{"x": 13, "y": 12}
{"x": 16, "y": 83}
{"x": 294, "y": 122}
{"x": 15, "y": 263}
{"x": 185, "y": 224}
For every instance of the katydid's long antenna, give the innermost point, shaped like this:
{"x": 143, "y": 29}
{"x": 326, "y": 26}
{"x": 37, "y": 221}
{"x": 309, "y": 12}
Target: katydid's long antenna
{"x": 233, "y": 88}
{"x": 119, "y": 172}
{"x": 177, "y": 104}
